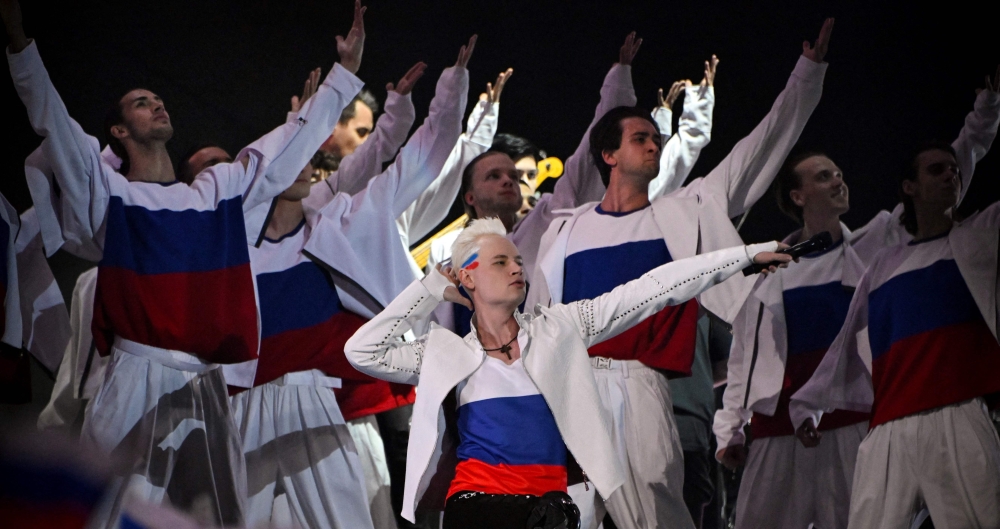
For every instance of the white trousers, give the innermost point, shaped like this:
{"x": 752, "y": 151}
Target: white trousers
{"x": 947, "y": 459}
{"x": 788, "y": 485}
{"x": 300, "y": 453}
{"x": 648, "y": 445}
{"x": 165, "y": 416}
{"x": 368, "y": 440}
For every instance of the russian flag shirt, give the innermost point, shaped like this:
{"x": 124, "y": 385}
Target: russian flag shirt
{"x": 816, "y": 303}
{"x": 930, "y": 345}
{"x": 609, "y": 249}
{"x": 304, "y": 326}
{"x": 509, "y": 442}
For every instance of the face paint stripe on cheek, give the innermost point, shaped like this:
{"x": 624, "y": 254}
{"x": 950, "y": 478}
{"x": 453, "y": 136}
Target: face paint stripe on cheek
{"x": 471, "y": 263}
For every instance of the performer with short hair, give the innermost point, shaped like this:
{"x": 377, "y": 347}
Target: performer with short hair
{"x": 784, "y": 330}
{"x": 170, "y": 306}
{"x": 925, "y": 314}
{"x": 626, "y": 229}
{"x": 522, "y": 384}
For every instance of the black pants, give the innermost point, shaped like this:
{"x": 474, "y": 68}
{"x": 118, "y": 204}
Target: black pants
{"x": 699, "y": 486}
{"x": 394, "y": 427}
{"x": 466, "y": 510}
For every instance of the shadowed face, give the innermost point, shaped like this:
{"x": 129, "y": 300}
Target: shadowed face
{"x": 145, "y": 119}
{"x": 938, "y": 182}
{"x": 300, "y": 188}
{"x": 207, "y": 157}
{"x": 348, "y": 136}
{"x": 495, "y": 186}
{"x": 822, "y": 191}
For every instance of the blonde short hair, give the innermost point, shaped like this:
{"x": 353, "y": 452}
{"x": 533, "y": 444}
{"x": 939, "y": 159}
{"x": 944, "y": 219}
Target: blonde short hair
{"x": 467, "y": 243}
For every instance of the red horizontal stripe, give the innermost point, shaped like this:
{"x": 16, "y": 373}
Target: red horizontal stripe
{"x": 933, "y": 369}
{"x": 799, "y": 369}
{"x": 316, "y": 347}
{"x": 212, "y": 315}
{"x": 663, "y": 341}
{"x": 360, "y": 399}
{"x": 536, "y": 480}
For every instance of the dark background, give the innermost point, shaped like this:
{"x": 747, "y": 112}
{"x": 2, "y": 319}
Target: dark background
{"x": 898, "y": 73}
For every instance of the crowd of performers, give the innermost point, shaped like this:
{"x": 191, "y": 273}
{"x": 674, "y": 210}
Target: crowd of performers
{"x": 258, "y": 347}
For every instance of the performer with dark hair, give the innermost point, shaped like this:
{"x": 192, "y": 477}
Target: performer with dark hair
{"x": 784, "y": 330}
{"x": 924, "y": 315}
{"x": 626, "y": 229}
{"x": 170, "y": 307}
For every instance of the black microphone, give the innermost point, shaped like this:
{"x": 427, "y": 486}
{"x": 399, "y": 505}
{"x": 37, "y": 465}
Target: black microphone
{"x": 819, "y": 242}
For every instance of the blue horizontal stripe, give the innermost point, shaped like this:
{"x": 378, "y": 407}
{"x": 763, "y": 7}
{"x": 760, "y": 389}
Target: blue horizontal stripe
{"x": 916, "y": 302}
{"x": 814, "y": 315}
{"x": 296, "y": 298}
{"x": 166, "y": 241}
{"x": 510, "y": 430}
{"x": 590, "y": 273}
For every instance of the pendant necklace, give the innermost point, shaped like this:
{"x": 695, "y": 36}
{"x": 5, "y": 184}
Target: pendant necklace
{"x": 505, "y": 348}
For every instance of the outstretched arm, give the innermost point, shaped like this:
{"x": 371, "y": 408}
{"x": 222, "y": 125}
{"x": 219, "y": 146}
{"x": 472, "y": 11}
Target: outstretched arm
{"x": 274, "y": 161}
{"x": 420, "y": 161}
{"x": 432, "y": 206}
{"x": 391, "y": 130}
{"x": 747, "y": 172}
{"x": 72, "y": 155}
{"x": 694, "y": 131}
{"x": 980, "y": 130}
{"x": 671, "y": 284}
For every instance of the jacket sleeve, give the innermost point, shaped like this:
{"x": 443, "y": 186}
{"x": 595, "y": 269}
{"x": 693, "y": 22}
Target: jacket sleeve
{"x": 65, "y": 403}
{"x": 843, "y": 378}
{"x": 391, "y": 129}
{"x": 420, "y": 161}
{"x": 433, "y": 205}
{"x": 377, "y": 348}
{"x": 681, "y": 151}
{"x": 671, "y": 284}
{"x": 733, "y": 416}
{"x": 276, "y": 159}
{"x": 73, "y": 156}
{"x": 747, "y": 172}
{"x": 977, "y": 135}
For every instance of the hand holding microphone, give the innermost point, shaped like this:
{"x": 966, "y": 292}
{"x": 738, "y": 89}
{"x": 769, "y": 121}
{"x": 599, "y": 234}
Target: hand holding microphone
{"x": 816, "y": 243}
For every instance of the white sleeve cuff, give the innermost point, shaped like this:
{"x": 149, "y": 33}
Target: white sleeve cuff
{"x": 435, "y": 282}
{"x": 754, "y": 249}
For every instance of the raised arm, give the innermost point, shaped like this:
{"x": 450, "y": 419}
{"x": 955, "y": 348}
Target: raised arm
{"x": 420, "y": 161}
{"x": 73, "y": 156}
{"x": 694, "y": 131}
{"x": 671, "y": 284}
{"x": 274, "y": 161}
{"x": 747, "y": 172}
{"x": 580, "y": 182}
{"x": 432, "y": 206}
{"x": 980, "y": 130}
{"x": 391, "y": 130}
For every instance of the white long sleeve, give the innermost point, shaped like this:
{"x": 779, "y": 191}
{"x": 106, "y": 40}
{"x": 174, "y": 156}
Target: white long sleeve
{"x": 746, "y": 173}
{"x": 670, "y": 284}
{"x": 581, "y": 181}
{"x": 432, "y": 206}
{"x": 681, "y": 151}
{"x": 357, "y": 168}
{"x": 86, "y": 180}
{"x": 977, "y": 135}
{"x": 733, "y": 416}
